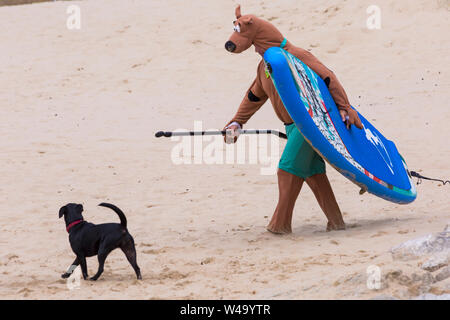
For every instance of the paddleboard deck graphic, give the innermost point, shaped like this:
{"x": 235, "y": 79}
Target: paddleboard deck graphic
{"x": 364, "y": 156}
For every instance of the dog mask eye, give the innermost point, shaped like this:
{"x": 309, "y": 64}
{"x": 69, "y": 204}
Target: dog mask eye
{"x": 237, "y": 28}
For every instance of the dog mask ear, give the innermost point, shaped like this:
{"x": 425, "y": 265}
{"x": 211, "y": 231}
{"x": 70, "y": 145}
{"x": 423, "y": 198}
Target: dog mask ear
{"x": 247, "y": 20}
{"x": 80, "y": 208}
{"x": 62, "y": 211}
{"x": 238, "y": 11}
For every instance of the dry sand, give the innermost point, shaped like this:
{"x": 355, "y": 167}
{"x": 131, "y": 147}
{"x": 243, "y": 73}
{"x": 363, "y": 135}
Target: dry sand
{"x": 79, "y": 109}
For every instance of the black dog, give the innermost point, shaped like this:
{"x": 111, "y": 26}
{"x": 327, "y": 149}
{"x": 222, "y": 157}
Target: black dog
{"x": 88, "y": 239}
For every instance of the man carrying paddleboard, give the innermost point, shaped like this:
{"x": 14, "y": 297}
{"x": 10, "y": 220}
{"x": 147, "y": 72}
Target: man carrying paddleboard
{"x": 299, "y": 162}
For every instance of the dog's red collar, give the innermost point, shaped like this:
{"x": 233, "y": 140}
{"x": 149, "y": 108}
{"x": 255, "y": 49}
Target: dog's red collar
{"x": 73, "y": 224}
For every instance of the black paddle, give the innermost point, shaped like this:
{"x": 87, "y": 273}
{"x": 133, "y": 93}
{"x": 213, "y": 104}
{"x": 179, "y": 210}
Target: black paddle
{"x": 168, "y": 134}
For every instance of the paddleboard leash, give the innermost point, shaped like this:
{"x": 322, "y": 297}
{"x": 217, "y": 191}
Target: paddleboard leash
{"x": 420, "y": 177}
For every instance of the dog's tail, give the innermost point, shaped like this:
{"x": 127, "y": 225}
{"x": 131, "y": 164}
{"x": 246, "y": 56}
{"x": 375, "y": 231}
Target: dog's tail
{"x": 123, "y": 219}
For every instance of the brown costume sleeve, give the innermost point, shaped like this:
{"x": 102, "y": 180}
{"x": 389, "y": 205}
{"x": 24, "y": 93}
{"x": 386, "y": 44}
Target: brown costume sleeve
{"x": 335, "y": 87}
{"x": 254, "y": 98}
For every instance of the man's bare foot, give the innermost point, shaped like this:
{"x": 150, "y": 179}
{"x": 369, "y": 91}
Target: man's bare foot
{"x": 278, "y": 230}
{"x": 332, "y": 227}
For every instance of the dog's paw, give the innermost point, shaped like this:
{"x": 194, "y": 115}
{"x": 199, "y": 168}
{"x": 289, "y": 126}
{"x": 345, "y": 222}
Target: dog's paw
{"x": 65, "y": 275}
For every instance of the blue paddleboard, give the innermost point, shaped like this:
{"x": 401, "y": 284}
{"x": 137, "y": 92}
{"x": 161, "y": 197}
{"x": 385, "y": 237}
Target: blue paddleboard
{"x": 364, "y": 156}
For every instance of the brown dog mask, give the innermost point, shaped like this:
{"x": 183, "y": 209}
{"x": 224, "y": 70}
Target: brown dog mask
{"x": 250, "y": 30}
{"x": 262, "y": 34}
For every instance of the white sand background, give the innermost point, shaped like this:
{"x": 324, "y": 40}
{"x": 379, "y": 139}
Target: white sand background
{"x": 79, "y": 109}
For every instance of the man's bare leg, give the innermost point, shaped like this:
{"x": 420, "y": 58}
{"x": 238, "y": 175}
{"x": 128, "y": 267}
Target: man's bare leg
{"x": 289, "y": 187}
{"x": 323, "y": 192}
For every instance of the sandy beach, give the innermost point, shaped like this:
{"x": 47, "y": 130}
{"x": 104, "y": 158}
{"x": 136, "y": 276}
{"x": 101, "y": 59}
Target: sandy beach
{"x": 79, "y": 110}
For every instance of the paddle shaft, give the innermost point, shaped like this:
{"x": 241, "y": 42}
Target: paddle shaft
{"x": 212, "y": 133}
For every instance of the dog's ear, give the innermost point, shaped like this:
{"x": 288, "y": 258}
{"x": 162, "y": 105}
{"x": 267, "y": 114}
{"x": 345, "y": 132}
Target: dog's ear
{"x": 238, "y": 11}
{"x": 62, "y": 211}
{"x": 247, "y": 20}
{"x": 80, "y": 208}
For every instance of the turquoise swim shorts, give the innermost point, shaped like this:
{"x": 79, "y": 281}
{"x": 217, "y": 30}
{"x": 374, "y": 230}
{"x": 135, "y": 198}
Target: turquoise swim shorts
{"x": 298, "y": 157}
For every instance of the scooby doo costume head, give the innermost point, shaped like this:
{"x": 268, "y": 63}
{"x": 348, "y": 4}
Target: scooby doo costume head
{"x": 250, "y": 30}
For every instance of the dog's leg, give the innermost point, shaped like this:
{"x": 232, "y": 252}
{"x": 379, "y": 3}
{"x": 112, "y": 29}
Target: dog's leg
{"x": 130, "y": 252}
{"x": 82, "y": 260}
{"x": 102, "y": 254}
{"x": 71, "y": 269}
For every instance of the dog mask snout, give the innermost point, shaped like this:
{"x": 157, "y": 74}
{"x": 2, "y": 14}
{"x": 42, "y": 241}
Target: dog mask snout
{"x": 230, "y": 46}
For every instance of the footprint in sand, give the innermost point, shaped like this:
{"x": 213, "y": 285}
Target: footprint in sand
{"x": 8, "y": 258}
{"x": 331, "y": 11}
{"x": 264, "y": 182}
{"x": 141, "y": 64}
{"x": 154, "y": 251}
{"x": 100, "y": 197}
{"x": 183, "y": 283}
{"x": 189, "y": 238}
{"x": 207, "y": 260}
{"x": 172, "y": 274}
{"x": 123, "y": 29}
{"x": 239, "y": 174}
{"x": 25, "y": 291}
{"x": 378, "y": 234}
{"x": 241, "y": 228}
{"x": 333, "y": 50}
